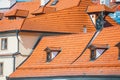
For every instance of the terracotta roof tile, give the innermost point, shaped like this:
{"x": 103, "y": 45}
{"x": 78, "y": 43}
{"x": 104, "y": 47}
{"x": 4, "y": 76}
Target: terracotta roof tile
{"x": 28, "y": 6}
{"x": 71, "y": 20}
{"x": 98, "y": 8}
{"x": 17, "y": 13}
{"x": 107, "y": 64}
{"x": 42, "y": 10}
{"x": 13, "y": 25}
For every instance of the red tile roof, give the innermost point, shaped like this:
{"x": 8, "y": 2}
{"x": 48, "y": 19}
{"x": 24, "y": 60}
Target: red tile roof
{"x": 42, "y": 10}
{"x": 72, "y": 46}
{"x": 68, "y": 20}
{"x": 98, "y": 8}
{"x": 17, "y": 13}
{"x": 8, "y": 25}
{"x": 29, "y": 6}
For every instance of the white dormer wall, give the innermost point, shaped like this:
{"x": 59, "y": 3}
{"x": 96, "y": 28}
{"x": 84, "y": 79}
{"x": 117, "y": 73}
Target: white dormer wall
{"x": 93, "y": 18}
{"x": 6, "y": 3}
{"x": 117, "y": 0}
{"x": 106, "y": 2}
{"x": 44, "y": 2}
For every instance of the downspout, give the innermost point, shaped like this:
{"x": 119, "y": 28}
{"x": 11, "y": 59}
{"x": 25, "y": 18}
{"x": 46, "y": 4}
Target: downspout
{"x": 14, "y": 58}
{"x": 89, "y": 43}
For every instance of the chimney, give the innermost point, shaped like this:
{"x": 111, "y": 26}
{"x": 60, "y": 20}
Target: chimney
{"x": 44, "y": 2}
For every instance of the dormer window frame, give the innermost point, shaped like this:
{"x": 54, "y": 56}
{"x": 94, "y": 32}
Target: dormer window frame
{"x": 51, "y": 53}
{"x": 118, "y": 45}
{"x": 54, "y": 2}
{"x": 97, "y": 47}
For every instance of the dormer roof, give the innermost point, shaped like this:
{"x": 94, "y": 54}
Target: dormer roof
{"x": 99, "y": 8}
{"x": 17, "y": 13}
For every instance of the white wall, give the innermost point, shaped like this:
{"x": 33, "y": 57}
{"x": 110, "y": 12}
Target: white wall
{"x": 27, "y": 42}
{"x": 7, "y": 67}
{"x": 12, "y": 43}
{"x": 93, "y": 18}
{"x": 6, "y": 3}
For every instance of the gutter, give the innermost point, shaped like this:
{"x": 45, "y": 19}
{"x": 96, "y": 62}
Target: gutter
{"x": 89, "y": 43}
{"x": 14, "y": 58}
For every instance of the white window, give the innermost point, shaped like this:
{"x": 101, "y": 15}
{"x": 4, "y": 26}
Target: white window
{"x": 3, "y": 43}
{"x": 1, "y": 68}
{"x": 52, "y": 52}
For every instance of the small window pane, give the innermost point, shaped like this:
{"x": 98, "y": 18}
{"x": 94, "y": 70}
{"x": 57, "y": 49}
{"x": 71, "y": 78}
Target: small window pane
{"x": 3, "y": 43}
{"x": 54, "y": 2}
{"x": 53, "y": 54}
{"x": 99, "y": 52}
{"x": 1, "y": 68}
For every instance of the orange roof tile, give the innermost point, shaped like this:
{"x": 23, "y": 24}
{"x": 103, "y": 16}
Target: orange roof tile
{"x": 17, "y": 13}
{"x": 71, "y": 46}
{"x": 29, "y": 6}
{"x": 98, "y": 8}
{"x": 7, "y": 25}
{"x": 68, "y": 20}
{"x": 63, "y": 4}
{"x": 42, "y": 10}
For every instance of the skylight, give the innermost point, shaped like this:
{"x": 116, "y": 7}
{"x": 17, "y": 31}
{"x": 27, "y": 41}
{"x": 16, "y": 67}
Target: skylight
{"x": 54, "y": 2}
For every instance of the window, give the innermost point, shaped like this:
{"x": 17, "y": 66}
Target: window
{"x": 1, "y": 68}
{"x": 3, "y": 43}
{"x": 54, "y": 2}
{"x": 97, "y": 50}
{"x": 118, "y": 45}
{"x": 52, "y": 52}
{"x": 11, "y": 18}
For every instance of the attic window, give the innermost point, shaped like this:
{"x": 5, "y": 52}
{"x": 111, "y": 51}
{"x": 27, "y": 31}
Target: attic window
{"x": 11, "y": 17}
{"x": 54, "y": 2}
{"x": 97, "y": 50}
{"x": 52, "y": 52}
{"x": 118, "y": 45}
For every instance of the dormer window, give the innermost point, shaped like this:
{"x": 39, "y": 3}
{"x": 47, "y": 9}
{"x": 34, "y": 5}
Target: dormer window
{"x": 52, "y": 52}
{"x": 118, "y": 45}
{"x": 54, "y": 2}
{"x": 11, "y": 17}
{"x": 97, "y": 50}
{"x": 3, "y": 43}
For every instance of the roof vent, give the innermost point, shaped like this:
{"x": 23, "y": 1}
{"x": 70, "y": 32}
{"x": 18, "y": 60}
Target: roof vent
{"x": 84, "y": 29}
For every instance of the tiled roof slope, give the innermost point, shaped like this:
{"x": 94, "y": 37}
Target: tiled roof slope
{"x": 63, "y": 4}
{"x": 107, "y": 64}
{"x": 68, "y": 20}
{"x": 29, "y": 6}
{"x": 98, "y": 8}
{"x": 8, "y": 25}
{"x": 71, "y": 45}
{"x": 18, "y": 13}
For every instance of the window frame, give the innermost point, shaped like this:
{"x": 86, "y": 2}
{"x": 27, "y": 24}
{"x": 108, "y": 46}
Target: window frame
{"x": 5, "y": 45}
{"x": 50, "y": 51}
{"x": 93, "y": 49}
{"x": 118, "y": 46}
{"x": 54, "y": 2}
